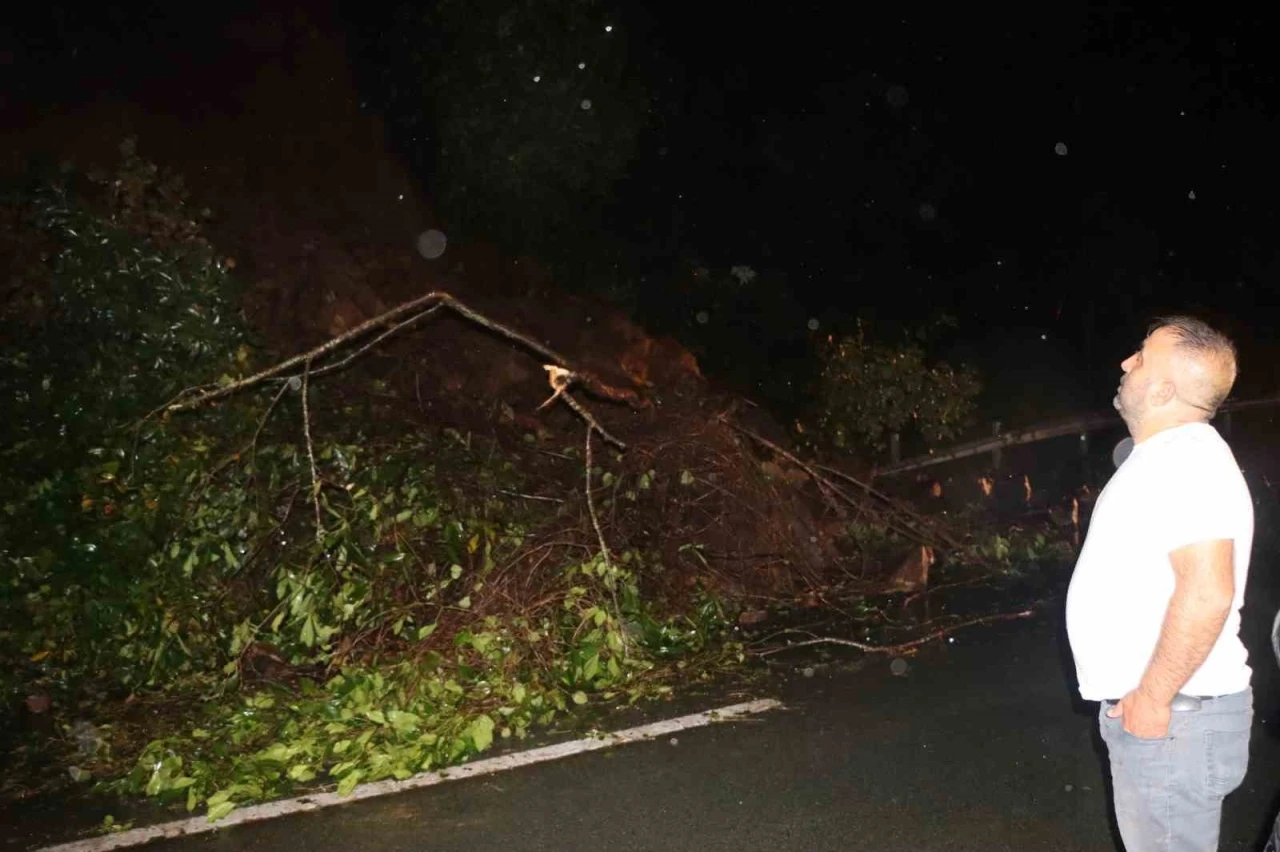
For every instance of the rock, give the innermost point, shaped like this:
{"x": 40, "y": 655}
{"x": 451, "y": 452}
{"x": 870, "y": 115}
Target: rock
{"x": 89, "y": 740}
{"x": 752, "y": 616}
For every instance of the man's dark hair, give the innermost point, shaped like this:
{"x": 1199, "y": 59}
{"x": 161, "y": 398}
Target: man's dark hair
{"x": 1212, "y": 349}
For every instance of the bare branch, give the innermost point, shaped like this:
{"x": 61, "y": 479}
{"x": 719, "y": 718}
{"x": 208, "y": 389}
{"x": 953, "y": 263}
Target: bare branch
{"x": 904, "y": 646}
{"x": 311, "y": 453}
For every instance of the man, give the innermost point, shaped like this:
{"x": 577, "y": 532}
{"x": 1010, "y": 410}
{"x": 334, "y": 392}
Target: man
{"x": 1153, "y": 612}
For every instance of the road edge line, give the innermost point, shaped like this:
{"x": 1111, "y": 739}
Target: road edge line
{"x": 488, "y": 766}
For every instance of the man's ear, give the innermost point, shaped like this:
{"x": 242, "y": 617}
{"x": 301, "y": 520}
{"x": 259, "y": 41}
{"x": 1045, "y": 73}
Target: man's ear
{"x": 1162, "y": 393}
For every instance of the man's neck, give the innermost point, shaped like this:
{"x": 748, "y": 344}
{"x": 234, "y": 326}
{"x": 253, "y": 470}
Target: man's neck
{"x": 1150, "y": 429}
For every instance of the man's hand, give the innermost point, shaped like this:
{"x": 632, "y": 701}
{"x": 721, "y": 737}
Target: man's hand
{"x": 1144, "y": 717}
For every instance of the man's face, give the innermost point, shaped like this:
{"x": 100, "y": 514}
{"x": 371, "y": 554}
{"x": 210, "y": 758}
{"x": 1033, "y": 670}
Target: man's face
{"x": 1147, "y": 369}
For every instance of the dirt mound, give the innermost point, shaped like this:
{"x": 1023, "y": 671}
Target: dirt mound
{"x": 319, "y": 219}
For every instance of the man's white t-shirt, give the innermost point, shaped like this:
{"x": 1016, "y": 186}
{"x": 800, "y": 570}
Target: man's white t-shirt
{"x": 1178, "y": 487}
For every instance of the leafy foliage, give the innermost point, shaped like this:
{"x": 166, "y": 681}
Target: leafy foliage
{"x": 870, "y": 389}
{"x": 105, "y": 327}
{"x": 360, "y": 631}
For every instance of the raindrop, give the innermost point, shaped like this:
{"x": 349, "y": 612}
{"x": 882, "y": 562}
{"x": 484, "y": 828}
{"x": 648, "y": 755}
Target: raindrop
{"x": 537, "y": 78}
{"x": 432, "y": 243}
{"x": 928, "y": 212}
{"x": 581, "y": 65}
{"x": 702, "y": 317}
{"x": 1060, "y": 149}
{"x": 586, "y": 103}
{"x": 1192, "y": 195}
{"x": 897, "y": 96}
{"x": 813, "y": 323}
{"x": 609, "y": 28}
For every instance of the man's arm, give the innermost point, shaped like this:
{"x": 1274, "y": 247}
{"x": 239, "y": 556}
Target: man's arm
{"x": 1204, "y": 578}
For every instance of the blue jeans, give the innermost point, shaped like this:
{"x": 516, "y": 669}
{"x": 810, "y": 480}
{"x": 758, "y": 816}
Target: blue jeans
{"x": 1168, "y": 792}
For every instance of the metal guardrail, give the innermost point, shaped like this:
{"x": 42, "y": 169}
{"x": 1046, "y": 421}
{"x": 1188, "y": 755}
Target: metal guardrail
{"x": 1082, "y": 426}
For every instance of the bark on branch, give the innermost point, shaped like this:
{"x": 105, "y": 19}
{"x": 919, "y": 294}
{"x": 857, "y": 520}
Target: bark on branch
{"x": 392, "y": 322}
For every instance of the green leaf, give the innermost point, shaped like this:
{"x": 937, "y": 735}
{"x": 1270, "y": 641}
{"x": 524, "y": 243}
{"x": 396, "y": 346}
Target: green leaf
{"x": 426, "y": 630}
{"x": 686, "y": 477}
{"x": 219, "y": 797}
{"x": 342, "y": 768}
{"x": 349, "y": 782}
{"x": 402, "y": 721}
{"x": 301, "y": 772}
{"x": 376, "y": 716}
{"x": 217, "y": 812}
{"x": 579, "y": 697}
{"x": 481, "y": 732}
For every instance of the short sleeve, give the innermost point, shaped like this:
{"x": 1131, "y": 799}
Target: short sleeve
{"x": 1198, "y": 502}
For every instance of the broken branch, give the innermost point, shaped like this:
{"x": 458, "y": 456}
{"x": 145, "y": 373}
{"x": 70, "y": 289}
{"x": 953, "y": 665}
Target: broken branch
{"x": 903, "y": 646}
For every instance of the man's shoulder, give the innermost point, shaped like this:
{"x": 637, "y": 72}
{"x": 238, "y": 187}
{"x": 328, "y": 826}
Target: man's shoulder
{"x": 1197, "y": 450}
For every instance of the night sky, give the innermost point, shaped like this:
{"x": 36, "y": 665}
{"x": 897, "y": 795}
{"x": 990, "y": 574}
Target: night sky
{"x": 1033, "y": 156}
{"x": 1051, "y": 177}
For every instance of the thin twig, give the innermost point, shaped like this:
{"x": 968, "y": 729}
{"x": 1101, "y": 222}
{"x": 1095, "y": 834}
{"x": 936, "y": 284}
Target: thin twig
{"x": 311, "y": 454}
{"x": 824, "y": 485}
{"x": 396, "y": 329}
{"x": 904, "y": 646}
{"x": 893, "y": 505}
{"x": 830, "y": 490}
{"x": 931, "y": 589}
{"x": 612, "y": 583}
{"x": 530, "y": 496}
{"x": 262, "y": 421}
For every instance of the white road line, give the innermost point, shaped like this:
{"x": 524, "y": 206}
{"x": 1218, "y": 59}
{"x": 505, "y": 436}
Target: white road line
{"x": 488, "y": 766}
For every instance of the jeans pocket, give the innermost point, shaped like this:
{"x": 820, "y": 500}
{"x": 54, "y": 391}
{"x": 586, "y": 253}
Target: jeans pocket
{"x": 1228, "y": 756}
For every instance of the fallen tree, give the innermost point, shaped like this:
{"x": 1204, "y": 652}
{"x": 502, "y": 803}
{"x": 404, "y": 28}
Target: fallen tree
{"x": 317, "y": 571}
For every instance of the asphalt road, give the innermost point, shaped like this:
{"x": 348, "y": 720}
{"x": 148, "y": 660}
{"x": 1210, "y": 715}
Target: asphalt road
{"x": 979, "y": 746}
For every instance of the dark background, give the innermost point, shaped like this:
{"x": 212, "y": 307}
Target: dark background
{"x": 893, "y": 167}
